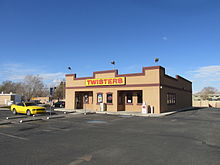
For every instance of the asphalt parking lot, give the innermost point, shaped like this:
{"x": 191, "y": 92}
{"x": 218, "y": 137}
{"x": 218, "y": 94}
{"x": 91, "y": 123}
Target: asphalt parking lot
{"x": 190, "y": 137}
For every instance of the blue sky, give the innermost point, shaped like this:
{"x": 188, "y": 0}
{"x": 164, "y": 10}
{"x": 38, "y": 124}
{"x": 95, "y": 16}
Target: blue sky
{"x": 44, "y": 37}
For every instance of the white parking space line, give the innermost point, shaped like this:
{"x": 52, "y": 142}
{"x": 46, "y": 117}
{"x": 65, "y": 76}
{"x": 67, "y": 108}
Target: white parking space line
{"x": 85, "y": 158}
{"x": 12, "y": 136}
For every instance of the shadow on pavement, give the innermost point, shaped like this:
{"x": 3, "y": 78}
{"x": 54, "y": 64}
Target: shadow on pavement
{"x": 193, "y": 109}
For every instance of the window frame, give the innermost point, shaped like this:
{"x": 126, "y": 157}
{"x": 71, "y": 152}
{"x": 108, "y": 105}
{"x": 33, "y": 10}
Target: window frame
{"x": 171, "y": 98}
{"x": 129, "y": 94}
{"x": 109, "y": 93}
{"x": 140, "y": 94}
{"x": 98, "y": 98}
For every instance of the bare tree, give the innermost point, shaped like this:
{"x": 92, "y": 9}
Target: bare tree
{"x": 60, "y": 91}
{"x": 33, "y": 87}
{"x": 206, "y": 91}
{"x": 9, "y": 86}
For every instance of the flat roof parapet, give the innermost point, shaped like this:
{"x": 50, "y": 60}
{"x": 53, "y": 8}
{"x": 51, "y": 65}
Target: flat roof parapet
{"x": 128, "y": 74}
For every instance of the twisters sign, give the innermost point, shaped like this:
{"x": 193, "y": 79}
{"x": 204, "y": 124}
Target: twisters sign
{"x": 105, "y": 81}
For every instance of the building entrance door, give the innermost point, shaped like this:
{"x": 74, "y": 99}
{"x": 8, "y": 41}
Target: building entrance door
{"x": 79, "y": 101}
{"x": 121, "y": 101}
{"x": 83, "y": 98}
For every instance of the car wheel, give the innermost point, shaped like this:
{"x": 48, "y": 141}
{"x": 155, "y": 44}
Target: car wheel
{"x": 14, "y": 111}
{"x": 28, "y": 112}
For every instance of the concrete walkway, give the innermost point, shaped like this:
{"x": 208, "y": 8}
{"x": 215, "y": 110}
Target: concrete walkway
{"x": 124, "y": 113}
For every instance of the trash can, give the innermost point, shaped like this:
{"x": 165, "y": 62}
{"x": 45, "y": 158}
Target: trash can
{"x": 151, "y": 109}
{"x": 144, "y": 108}
{"x": 103, "y": 107}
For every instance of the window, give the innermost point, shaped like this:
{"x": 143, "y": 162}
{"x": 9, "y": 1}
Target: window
{"x": 171, "y": 98}
{"x": 20, "y": 104}
{"x": 99, "y": 97}
{"x": 129, "y": 98}
{"x": 30, "y": 104}
{"x": 109, "y": 97}
{"x": 139, "y": 98}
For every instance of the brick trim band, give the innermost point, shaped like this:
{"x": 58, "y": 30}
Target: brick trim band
{"x": 115, "y": 86}
{"x": 133, "y": 85}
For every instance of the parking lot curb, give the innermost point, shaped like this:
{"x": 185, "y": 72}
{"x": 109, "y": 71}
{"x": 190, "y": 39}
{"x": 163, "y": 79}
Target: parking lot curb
{"x": 88, "y": 113}
{"x": 144, "y": 115}
{"x": 55, "y": 117}
{"x": 29, "y": 120}
{"x": 67, "y": 112}
{"x": 4, "y": 109}
{"x": 137, "y": 115}
{"x": 16, "y": 117}
{"x": 63, "y": 109}
{"x": 5, "y": 123}
{"x": 76, "y": 113}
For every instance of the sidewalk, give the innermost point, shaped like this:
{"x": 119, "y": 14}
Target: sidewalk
{"x": 124, "y": 113}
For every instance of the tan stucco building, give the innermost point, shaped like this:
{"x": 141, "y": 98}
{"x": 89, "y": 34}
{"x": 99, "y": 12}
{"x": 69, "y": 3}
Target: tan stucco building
{"x": 127, "y": 92}
{"x": 8, "y": 99}
{"x": 211, "y": 100}
{"x": 43, "y": 100}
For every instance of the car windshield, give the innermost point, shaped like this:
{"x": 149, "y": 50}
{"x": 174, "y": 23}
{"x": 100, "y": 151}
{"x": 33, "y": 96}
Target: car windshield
{"x": 30, "y": 104}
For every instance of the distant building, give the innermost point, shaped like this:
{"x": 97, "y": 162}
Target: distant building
{"x": 43, "y": 100}
{"x": 213, "y": 100}
{"x": 8, "y": 99}
{"x": 211, "y": 97}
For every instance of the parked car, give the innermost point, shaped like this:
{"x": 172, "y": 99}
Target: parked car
{"x": 60, "y": 104}
{"x": 27, "y": 108}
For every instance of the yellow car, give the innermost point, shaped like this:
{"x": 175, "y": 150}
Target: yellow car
{"x": 27, "y": 108}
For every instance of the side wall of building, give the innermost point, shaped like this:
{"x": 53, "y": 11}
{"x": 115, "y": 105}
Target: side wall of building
{"x": 4, "y": 99}
{"x": 180, "y": 88}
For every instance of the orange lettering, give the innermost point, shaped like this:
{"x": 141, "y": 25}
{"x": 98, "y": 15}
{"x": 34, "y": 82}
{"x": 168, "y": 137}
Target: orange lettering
{"x": 115, "y": 81}
{"x": 101, "y": 81}
{"x": 120, "y": 80}
{"x": 88, "y": 82}
{"x": 93, "y": 82}
{"x": 105, "y": 80}
{"x": 109, "y": 81}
